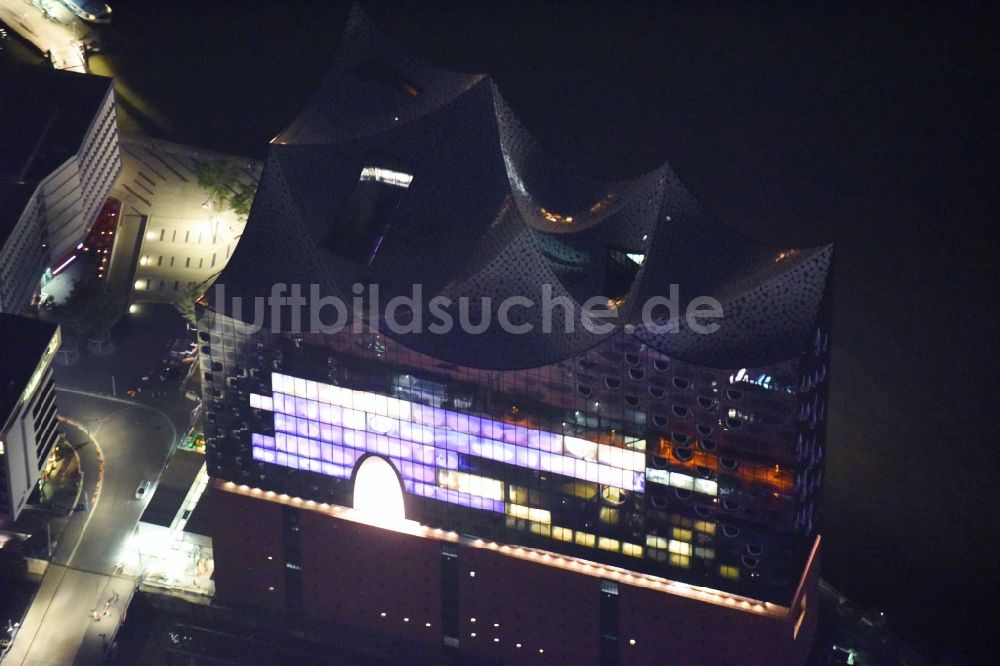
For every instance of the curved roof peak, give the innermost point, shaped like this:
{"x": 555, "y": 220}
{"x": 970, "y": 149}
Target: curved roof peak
{"x": 400, "y": 173}
{"x": 554, "y": 197}
{"x": 374, "y": 86}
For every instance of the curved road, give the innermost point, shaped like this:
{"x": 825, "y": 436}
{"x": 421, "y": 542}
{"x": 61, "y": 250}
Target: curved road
{"x": 81, "y": 600}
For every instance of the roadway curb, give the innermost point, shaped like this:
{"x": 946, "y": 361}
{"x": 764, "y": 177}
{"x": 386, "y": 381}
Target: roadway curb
{"x": 76, "y": 454}
{"x": 97, "y": 486}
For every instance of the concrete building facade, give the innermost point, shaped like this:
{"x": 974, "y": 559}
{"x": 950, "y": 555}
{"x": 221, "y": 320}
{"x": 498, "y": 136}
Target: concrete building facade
{"x": 29, "y": 426}
{"x": 59, "y": 156}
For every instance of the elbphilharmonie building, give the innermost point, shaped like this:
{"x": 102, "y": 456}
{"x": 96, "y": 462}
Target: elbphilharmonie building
{"x": 598, "y": 481}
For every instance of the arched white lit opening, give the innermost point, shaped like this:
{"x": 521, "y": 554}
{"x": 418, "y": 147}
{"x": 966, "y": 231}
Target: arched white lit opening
{"x": 377, "y": 491}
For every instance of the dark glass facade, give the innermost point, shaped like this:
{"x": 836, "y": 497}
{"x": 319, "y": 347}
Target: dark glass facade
{"x": 620, "y": 455}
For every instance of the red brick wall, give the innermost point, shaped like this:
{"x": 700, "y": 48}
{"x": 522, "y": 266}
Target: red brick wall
{"x": 245, "y": 531}
{"x": 675, "y": 630}
{"x": 539, "y": 607}
{"x": 352, "y": 573}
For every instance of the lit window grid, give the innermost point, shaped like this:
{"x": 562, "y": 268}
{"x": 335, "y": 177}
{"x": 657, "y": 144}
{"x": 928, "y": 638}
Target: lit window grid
{"x": 453, "y": 487}
{"x": 338, "y": 461}
{"x": 682, "y": 481}
{"x": 437, "y": 492}
{"x": 382, "y": 405}
{"x": 508, "y": 382}
{"x": 457, "y": 433}
{"x": 375, "y": 434}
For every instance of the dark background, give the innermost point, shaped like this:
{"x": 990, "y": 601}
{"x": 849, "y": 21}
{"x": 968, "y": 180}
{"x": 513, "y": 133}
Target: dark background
{"x": 871, "y": 125}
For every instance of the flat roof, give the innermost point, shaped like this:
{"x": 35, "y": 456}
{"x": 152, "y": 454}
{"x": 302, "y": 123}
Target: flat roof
{"x": 200, "y": 520}
{"x": 22, "y": 342}
{"x": 175, "y": 482}
{"x": 44, "y": 115}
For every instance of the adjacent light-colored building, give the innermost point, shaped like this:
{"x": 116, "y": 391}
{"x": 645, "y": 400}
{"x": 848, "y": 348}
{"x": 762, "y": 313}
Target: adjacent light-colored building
{"x": 185, "y": 239}
{"x": 59, "y": 156}
{"x": 28, "y": 424}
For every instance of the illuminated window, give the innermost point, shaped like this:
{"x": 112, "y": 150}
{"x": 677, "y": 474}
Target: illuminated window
{"x": 536, "y": 515}
{"x": 583, "y": 490}
{"x": 555, "y": 217}
{"x": 584, "y": 539}
{"x": 632, "y": 549}
{"x": 682, "y": 534}
{"x": 654, "y": 541}
{"x": 388, "y": 176}
{"x": 541, "y": 529}
{"x": 581, "y": 448}
{"x": 377, "y": 492}
{"x": 471, "y": 484}
{"x": 605, "y": 543}
{"x": 613, "y": 495}
{"x": 704, "y": 526}
{"x": 706, "y": 486}
{"x": 679, "y": 547}
{"x": 562, "y": 533}
{"x": 682, "y": 561}
{"x": 609, "y": 516}
{"x": 705, "y": 553}
{"x": 732, "y": 573}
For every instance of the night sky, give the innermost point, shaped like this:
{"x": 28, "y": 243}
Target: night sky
{"x": 874, "y": 127}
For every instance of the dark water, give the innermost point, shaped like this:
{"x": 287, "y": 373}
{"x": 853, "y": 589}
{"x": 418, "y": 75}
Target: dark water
{"x": 871, "y": 127}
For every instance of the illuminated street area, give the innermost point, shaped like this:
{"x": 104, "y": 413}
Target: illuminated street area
{"x": 185, "y": 239}
{"x": 166, "y": 556}
{"x": 84, "y": 593}
{"x": 52, "y": 29}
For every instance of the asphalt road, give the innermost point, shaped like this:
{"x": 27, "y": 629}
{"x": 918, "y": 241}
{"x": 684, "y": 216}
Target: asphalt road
{"x": 135, "y": 441}
{"x": 81, "y": 601}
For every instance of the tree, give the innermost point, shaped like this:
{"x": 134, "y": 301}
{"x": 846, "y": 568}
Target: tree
{"x": 218, "y": 177}
{"x": 91, "y": 311}
{"x": 241, "y": 200}
{"x": 221, "y": 179}
{"x": 185, "y": 303}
